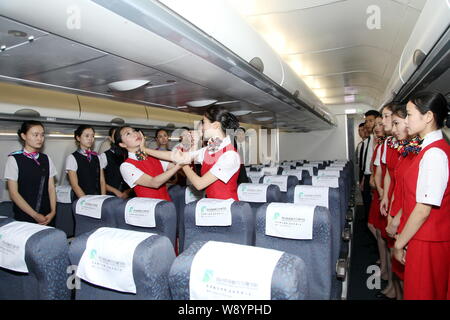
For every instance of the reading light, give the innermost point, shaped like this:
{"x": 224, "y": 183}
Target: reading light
{"x": 127, "y": 85}
{"x": 201, "y": 103}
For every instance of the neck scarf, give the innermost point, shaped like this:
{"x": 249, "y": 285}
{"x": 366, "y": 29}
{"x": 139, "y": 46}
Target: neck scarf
{"x": 88, "y": 153}
{"x": 32, "y": 155}
{"x": 214, "y": 144}
{"x": 141, "y": 155}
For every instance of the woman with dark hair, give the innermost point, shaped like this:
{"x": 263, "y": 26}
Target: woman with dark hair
{"x": 142, "y": 172}
{"x": 219, "y": 159}
{"x": 162, "y": 140}
{"x": 424, "y": 229}
{"x": 111, "y": 160}
{"x": 83, "y": 167}
{"x": 30, "y": 177}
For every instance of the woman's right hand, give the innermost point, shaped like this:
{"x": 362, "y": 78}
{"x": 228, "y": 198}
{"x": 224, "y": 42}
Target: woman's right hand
{"x": 142, "y": 145}
{"x": 40, "y": 218}
{"x": 384, "y": 204}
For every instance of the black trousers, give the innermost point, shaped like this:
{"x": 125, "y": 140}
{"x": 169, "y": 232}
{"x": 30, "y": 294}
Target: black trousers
{"x": 367, "y": 197}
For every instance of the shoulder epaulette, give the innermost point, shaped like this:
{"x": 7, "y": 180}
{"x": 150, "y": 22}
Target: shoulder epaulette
{"x": 15, "y": 152}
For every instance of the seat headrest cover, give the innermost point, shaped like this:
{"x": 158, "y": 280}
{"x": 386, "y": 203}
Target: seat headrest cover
{"x": 313, "y": 196}
{"x": 140, "y": 212}
{"x": 107, "y": 260}
{"x": 13, "y": 238}
{"x": 227, "y": 271}
{"x": 331, "y": 173}
{"x": 91, "y": 206}
{"x": 191, "y": 194}
{"x": 270, "y": 171}
{"x": 255, "y": 175}
{"x": 253, "y": 192}
{"x": 213, "y": 212}
{"x": 325, "y": 181}
{"x": 63, "y": 194}
{"x": 290, "y": 221}
{"x": 280, "y": 181}
{"x": 335, "y": 166}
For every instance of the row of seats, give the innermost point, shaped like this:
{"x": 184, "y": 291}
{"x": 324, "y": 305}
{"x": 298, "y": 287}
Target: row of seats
{"x": 247, "y": 225}
{"x": 155, "y": 271}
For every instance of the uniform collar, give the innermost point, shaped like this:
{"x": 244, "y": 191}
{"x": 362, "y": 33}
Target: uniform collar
{"x": 28, "y": 151}
{"x": 432, "y": 137}
{"x": 132, "y": 155}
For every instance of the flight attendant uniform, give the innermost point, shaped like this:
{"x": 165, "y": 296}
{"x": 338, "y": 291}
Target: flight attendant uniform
{"x": 111, "y": 160}
{"x": 135, "y": 166}
{"x": 221, "y": 159}
{"x": 87, "y": 165}
{"x": 374, "y": 212}
{"x": 380, "y": 221}
{"x": 32, "y": 171}
{"x": 403, "y": 163}
{"x": 428, "y": 253}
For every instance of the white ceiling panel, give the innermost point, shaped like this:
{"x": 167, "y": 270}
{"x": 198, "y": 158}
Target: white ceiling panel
{"x": 330, "y": 43}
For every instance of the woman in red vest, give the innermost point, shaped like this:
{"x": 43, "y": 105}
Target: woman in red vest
{"x": 219, "y": 159}
{"x": 140, "y": 171}
{"x": 424, "y": 229}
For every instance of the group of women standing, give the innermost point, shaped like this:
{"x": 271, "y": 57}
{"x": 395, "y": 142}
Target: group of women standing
{"x": 410, "y": 214}
{"x": 127, "y": 169}
{"x": 410, "y": 210}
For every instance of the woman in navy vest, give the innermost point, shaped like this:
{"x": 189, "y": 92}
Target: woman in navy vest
{"x": 111, "y": 160}
{"x": 30, "y": 177}
{"x": 83, "y": 167}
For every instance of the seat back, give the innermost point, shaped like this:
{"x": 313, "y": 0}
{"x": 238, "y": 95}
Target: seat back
{"x": 283, "y": 182}
{"x": 146, "y": 215}
{"x": 92, "y": 212}
{"x": 181, "y": 196}
{"x": 6, "y": 209}
{"x": 64, "y": 218}
{"x": 288, "y": 278}
{"x": 256, "y": 194}
{"x": 307, "y": 194}
{"x": 239, "y": 229}
{"x": 315, "y": 248}
{"x": 147, "y": 262}
{"x": 46, "y": 261}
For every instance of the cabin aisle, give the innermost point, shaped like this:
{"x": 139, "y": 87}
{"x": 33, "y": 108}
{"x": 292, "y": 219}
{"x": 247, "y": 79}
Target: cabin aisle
{"x": 364, "y": 254}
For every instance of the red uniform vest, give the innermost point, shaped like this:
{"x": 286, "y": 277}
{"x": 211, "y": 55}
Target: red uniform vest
{"x": 153, "y": 168}
{"x": 437, "y": 225}
{"x": 219, "y": 189}
{"x": 392, "y": 158}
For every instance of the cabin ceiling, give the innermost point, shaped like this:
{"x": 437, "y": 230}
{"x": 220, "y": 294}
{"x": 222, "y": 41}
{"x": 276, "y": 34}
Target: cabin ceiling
{"x": 328, "y": 43}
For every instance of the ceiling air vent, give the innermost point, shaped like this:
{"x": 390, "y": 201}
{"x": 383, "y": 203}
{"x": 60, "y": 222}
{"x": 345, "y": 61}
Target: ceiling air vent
{"x": 27, "y": 113}
{"x": 418, "y": 57}
{"x": 257, "y": 63}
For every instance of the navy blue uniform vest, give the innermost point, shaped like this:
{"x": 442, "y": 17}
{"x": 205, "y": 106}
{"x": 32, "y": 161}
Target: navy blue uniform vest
{"x": 88, "y": 174}
{"x": 33, "y": 185}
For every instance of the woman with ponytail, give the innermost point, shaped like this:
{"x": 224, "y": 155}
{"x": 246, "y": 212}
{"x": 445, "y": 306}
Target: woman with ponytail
{"x": 423, "y": 242}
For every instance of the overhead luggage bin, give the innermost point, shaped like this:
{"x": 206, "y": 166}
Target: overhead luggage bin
{"x": 182, "y": 61}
